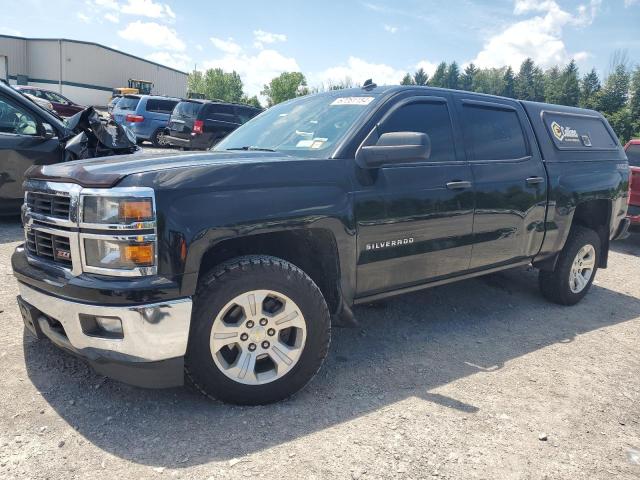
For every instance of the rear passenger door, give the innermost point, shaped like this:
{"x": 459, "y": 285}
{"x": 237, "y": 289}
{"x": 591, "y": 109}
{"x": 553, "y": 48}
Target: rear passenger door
{"x": 221, "y": 119}
{"x": 415, "y": 220}
{"x": 509, "y": 180}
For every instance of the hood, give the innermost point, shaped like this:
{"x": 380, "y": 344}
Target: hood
{"x": 106, "y": 172}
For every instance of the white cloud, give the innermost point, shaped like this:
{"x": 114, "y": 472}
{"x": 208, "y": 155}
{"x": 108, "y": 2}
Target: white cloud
{"x": 180, "y": 61}
{"x": 10, "y": 31}
{"x": 154, "y": 35}
{"x": 427, "y": 66}
{"x": 112, "y": 17}
{"x": 106, "y": 4}
{"x": 148, "y": 8}
{"x": 538, "y": 37}
{"x": 390, "y": 29}
{"x": 268, "y": 37}
{"x": 227, "y": 46}
{"x": 255, "y": 70}
{"x": 199, "y": 47}
{"x": 358, "y": 70}
{"x": 83, "y": 18}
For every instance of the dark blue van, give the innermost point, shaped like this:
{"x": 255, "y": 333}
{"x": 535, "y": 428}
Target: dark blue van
{"x": 146, "y": 115}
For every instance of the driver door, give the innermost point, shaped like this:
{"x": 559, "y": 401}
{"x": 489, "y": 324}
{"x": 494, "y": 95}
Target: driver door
{"x": 21, "y": 146}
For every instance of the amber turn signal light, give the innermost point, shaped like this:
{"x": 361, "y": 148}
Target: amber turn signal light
{"x": 140, "y": 254}
{"x": 136, "y": 210}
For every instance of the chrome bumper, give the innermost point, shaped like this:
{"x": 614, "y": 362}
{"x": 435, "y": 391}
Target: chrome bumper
{"x": 152, "y": 333}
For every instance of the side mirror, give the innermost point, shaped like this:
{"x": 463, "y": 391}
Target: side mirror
{"x": 395, "y": 147}
{"x": 47, "y": 131}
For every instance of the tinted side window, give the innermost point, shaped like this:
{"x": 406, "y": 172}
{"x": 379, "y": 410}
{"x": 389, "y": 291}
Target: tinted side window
{"x": 578, "y": 132}
{"x": 430, "y": 118}
{"x": 246, "y": 114}
{"x": 492, "y": 133}
{"x": 161, "y": 106}
{"x": 223, "y": 113}
{"x": 221, "y": 109}
{"x": 633, "y": 154}
{"x": 15, "y": 120}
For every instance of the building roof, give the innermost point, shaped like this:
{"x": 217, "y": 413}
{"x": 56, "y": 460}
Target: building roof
{"x": 96, "y": 45}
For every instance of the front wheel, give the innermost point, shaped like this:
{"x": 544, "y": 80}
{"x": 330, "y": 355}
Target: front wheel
{"x": 158, "y": 139}
{"x": 260, "y": 331}
{"x": 575, "y": 270}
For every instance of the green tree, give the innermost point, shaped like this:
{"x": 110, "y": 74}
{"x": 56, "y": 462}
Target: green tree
{"x": 407, "y": 80}
{"x": 615, "y": 93}
{"x": 634, "y": 100}
{"x": 529, "y": 84}
{"x": 552, "y": 86}
{"x": 622, "y": 123}
{"x": 570, "y": 85}
{"x": 195, "y": 82}
{"x": 589, "y": 90}
{"x": 284, "y": 87}
{"x": 420, "y": 77}
{"x": 253, "y": 101}
{"x": 453, "y": 75}
{"x": 490, "y": 80}
{"x": 467, "y": 78}
{"x": 220, "y": 85}
{"x": 509, "y": 83}
{"x": 439, "y": 78}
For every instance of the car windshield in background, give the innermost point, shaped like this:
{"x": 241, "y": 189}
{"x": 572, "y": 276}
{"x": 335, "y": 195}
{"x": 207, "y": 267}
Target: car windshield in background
{"x": 308, "y": 126}
{"x": 633, "y": 154}
{"x": 128, "y": 103}
{"x": 187, "y": 109}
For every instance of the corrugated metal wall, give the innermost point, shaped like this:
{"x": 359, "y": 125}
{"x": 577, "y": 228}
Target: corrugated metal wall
{"x": 83, "y": 71}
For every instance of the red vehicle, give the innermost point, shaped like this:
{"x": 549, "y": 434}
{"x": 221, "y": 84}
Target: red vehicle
{"x": 633, "y": 154}
{"x": 61, "y": 104}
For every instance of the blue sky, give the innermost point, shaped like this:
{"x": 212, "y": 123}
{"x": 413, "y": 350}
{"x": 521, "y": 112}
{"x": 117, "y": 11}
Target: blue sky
{"x": 331, "y": 40}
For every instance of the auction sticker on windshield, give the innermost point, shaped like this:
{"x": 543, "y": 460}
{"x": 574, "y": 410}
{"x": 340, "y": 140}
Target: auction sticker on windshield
{"x": 352, "y": 101}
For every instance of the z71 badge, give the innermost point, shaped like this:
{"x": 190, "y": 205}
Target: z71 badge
{"x": 388, "y": 244}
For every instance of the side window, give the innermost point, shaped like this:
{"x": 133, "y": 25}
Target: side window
{"x": 492, "y": 133}
{"x": 427, "y": 117}
{"x": 54, "y": 97}
{"x": 15, "y": 120}
{"x": 223, "y": 112}
{"x": 160, "y": 106}
{"x": 246, "y": 114}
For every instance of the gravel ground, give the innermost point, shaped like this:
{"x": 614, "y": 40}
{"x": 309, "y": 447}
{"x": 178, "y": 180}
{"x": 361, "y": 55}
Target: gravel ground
{"x": 481, "y": 379}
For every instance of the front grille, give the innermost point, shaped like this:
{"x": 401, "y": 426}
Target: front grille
{"x": 47, "y": 204}
{"x": 54, "y": 248}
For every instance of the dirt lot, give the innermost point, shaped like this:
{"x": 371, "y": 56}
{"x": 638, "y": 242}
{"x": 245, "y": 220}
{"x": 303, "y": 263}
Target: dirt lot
{"x": 462, "y": 381}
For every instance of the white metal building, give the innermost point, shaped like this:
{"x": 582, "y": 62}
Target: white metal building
{"x": 85, "y": 72}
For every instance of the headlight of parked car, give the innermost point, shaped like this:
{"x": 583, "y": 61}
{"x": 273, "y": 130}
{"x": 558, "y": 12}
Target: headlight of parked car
{"x": 117, "y": 210}
{"x": 118, "y": 231}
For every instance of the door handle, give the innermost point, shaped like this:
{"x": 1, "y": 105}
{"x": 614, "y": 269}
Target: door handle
{"x": 534, "y": 180}
{"x": 458, "y": 185}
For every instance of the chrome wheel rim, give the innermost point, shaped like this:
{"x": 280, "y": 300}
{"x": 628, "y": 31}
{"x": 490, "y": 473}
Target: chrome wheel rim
{"x": 582, "y": 268}
{"x": 161, "y": 139}
{"x": 258, "y": 337}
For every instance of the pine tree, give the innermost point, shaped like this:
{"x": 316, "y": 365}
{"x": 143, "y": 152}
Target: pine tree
{"x": 569, "y": 85}
{"x": 420, "y": 77}
{"x": 525, "y": 81}
{"x": 538, "y": 85}
{"x": 453, "y": 76}
{"x": 407, "y": 80}
{"x": 508, "y": 87}
{"x": 439, "y": 78}
{"x": 615, "y": 93}
{"x": 552, "y": 86}
{"x": 589, "y": 90}
{"x": 467, "y": 78}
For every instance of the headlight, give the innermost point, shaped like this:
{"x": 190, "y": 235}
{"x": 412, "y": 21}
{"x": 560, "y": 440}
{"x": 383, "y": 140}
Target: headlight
{"x": 119, "y": 254}
{"x": 117, "y": 210}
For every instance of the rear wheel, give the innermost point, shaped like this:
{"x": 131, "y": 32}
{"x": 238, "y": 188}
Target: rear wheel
{"x": 575, "y": 270}
{"x": 260, "y": 331}
{"x": 158, "y": 139}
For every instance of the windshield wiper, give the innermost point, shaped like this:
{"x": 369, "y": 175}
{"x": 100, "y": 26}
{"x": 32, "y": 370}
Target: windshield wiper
{"x": 255, "y": 149}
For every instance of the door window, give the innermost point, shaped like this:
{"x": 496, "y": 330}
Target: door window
{"x": 15, "y": 120}
{"x": 55, "y": 98}
{"x": 431, "y": 118}
{"x": 161, "y": 106}
{"x": 493, "y": 133}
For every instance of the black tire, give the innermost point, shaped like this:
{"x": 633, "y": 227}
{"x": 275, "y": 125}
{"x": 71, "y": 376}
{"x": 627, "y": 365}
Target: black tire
{"x": 554, "y": 285}
{"x": 155, "y": 138}
{"x": 224, "y": 283}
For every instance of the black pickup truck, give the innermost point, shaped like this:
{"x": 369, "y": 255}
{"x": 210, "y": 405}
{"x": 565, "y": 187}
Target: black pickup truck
{"x": 226, "y": 267}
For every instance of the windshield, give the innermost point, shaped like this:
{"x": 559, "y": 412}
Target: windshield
{"x": 187, "y": 109}
{"x": 308, "y": 126}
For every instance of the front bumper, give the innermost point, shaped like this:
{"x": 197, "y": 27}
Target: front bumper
{"x": 152, "y": 349}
